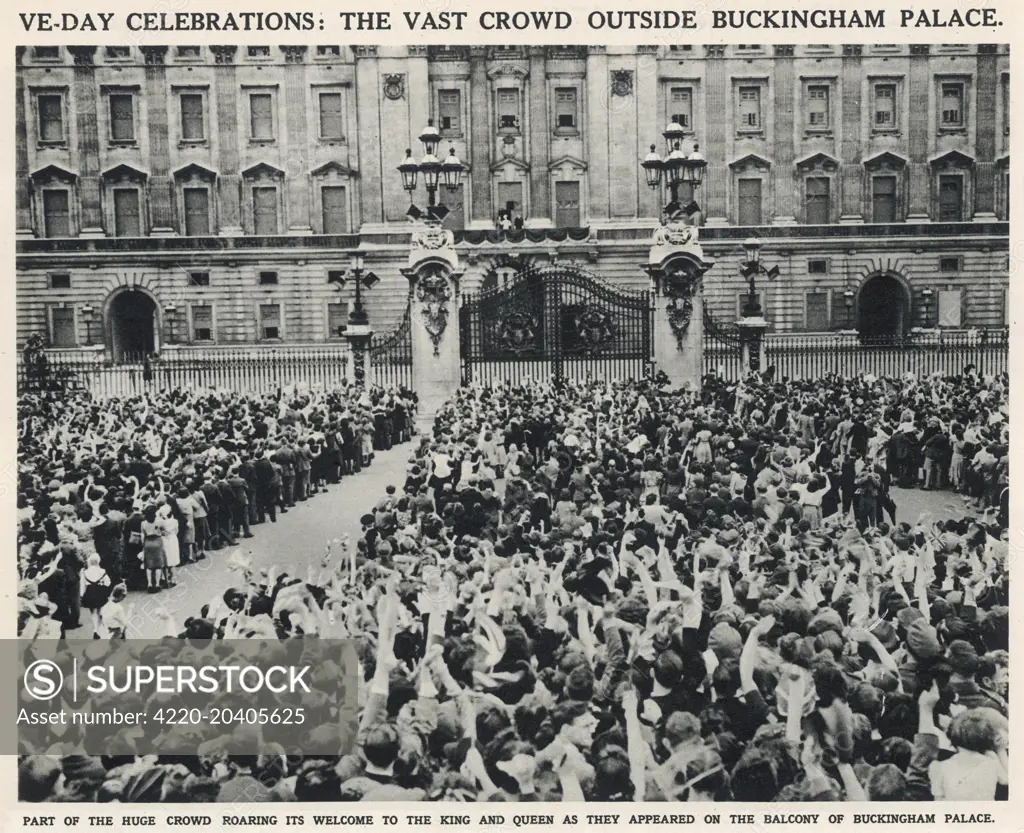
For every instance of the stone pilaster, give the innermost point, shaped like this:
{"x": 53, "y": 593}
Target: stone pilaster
{"x": 787, "y": 200}
{"x": 161, "y": 188}
{"x": 368, "y": 108}
{"x": 598, "y": 96}
{"x": 480, "y": 137}
{"x": 920, "y": 175}
{"x": 719, "y": 117}
{"x": 987, "y": 124}
{"x": 540, "y": 141}
{"x": 83, "y": 103}
{"x": 295, "y": 88}
{"x": 851, "y": 173}
{"x": 229, "y": 183}
{"x": 22, "y": 199}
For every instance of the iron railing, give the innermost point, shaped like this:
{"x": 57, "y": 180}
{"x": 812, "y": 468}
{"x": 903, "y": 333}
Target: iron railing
{"x": 246, "y": 370}
{"x": 814, "y": 355}
{"x": 390, "y": 356}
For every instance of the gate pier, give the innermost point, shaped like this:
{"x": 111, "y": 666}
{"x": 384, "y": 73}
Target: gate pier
{"x": 434, "y": 273}
{"x": 676, "y": 266}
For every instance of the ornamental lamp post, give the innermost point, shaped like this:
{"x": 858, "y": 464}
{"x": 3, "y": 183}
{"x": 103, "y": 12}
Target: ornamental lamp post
{"x": 434, "y": 171}
{"x": 750, "y": 269}
{"x": 357, "y": 316}
{"x": 675, "y": 169}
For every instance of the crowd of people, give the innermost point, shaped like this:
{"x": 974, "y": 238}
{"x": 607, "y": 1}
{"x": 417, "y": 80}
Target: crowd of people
{"x": 115, "y": 496}
{"x": 621, "y": 592}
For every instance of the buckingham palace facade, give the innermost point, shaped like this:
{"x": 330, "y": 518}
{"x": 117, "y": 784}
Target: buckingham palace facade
{"x": 212, "y": 195}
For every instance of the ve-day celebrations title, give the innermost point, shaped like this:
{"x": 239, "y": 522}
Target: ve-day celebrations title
{"x": 230, "y": 697}
{"x": 598, "y": 20}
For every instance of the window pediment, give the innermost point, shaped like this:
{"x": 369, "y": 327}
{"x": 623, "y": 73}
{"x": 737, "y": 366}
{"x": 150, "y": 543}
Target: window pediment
{"x": 125, "y": 173}
{"x": 263, "y": 170}
{"x": 953, "y": 160}
{"x": 53, "y": 173}
{"x": 333, "y": 168}
{"x": 751, "y": 162}
{"x": 818, "y": 161}
{"x": 885, "y": 161}
{"x": 195, "y": 171}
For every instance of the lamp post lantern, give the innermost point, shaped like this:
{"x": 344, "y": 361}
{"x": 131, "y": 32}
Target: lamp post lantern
{"x": 434, "y": 172}
{"x": 677, "y": 168}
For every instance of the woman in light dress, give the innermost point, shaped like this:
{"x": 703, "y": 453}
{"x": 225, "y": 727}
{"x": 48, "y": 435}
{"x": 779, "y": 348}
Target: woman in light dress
{"x": 512, "y": 462}
{"x": 154, "y": 559}
{"x": 168, "y": 526}
{"x": 702, "y": 452}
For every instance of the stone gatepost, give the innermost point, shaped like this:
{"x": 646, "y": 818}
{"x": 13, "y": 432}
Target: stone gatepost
{"x": 434, "y": 273}
{"x": 677, "y": 265}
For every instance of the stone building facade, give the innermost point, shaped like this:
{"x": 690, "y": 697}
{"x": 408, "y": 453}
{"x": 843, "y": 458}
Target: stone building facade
{"x": 212, "y": 195}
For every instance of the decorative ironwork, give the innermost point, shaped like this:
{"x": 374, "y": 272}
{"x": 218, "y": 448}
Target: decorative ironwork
{"x": 391, "y": 354}
{"x": 555, "y": 321}
{"x": 680, "y": 285}
{"x": 394, "y": 87}
{"x": 434, "y": 294}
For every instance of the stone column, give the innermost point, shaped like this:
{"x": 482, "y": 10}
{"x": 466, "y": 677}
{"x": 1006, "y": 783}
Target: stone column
{"x": 851, "y": 173}
{"x": 985, "y": 119}
{"x": 539, "y": 211}
{"x": 480, "y": 138}
{"x": 84, "y": 100}
{"x": 229, "y": 183}
{"x": 918, "y": 170}
{"x": 297, "y": 129}
{"x": 369, "y": 139}
{"x": 787, "y": 200}
{"x": 358, "y": 337}
{"x": 719, "y": 116}
{"x": 22, "y": 199}
{"x": 434, "y": 274}
{"x": 597, "y": 131}
{"x": 677, "y": 266}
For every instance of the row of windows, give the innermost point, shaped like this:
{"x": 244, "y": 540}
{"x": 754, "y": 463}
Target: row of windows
{"x": 127, "y": 216}
{"x": 199, "y": 324}
{"x": 262, "y": 111}
{"x": 128, "y": 219}
{"x": 192, "y": 116}
{"x": 182, "y": 53}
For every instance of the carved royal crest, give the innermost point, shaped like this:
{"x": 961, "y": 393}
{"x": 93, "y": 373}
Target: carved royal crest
{"x": 433, "y": 238}
{"x": 434, "y": 294}
{"x": 680, "y": 287}
{"x": 394, "y": 87}
{"x": 622, "y": 82}
{"x": 675, "y": 234}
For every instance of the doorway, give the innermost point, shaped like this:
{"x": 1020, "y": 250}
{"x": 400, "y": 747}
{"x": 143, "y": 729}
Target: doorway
{"x": 132, "y": 326}
{"x": 883, "y": 308}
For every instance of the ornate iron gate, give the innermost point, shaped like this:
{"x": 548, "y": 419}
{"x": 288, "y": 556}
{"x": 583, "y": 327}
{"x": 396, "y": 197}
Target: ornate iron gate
{"x": 559, "y": 322}
{"x": 391, "y": 354}
{"x": 723, "y": 352}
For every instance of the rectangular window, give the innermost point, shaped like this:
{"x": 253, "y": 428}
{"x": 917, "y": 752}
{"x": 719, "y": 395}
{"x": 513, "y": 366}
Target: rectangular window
{"x": 337, "y": 319}
{"x": 197, "y": 212}
{"x": 264, "y": 209}
{"x": 817, "y": 107}
{"x": 331, "y": 124}
{"x": 60, "y": 280}
{"x": 46, "y": 53}
{"x": 817, "y": 312}
{"x": 819, "y": 203}
{"x": 202, "y": 322}
{"x": 189, "y": 53}
{"x": 193, "y": 125}
{"x": 335, "y": 209}
{"x": 56, "y": 213}
{"x": 951, "y": 198}
{"x": 62, "y": 327}
{"x": 749, "y": 193}
{"x": 567, "y": 204}
{"x": 270, "y": 321}
{"x": 449, "y": 112}
{"x": 885, "y": 107}
{"x": 118, "y": 53}
{"x": 122, "y": 117}
{"x": 508, "y": 108}
{"x": 51, "y": 117}
{"x": 817, "y": 266}
{"x": 510, "y": 197}
{"x": 268, "y": 278}
{"x": 949, "y": 264}
{"x": 328, "y": 51}
{"x": 261, "y": 116}
{"x": 199, "y": 279}
{"x": 950, "y": 308}
{"x": 749, "y": 109}
{"x": 565, "y": 109}
{"x": 258, "y": 52}
{"x": 681, "y": 107}
{"x": 951, "y": 108}
{"x": 883, "y": 199}
{"x": 127, "y": 222}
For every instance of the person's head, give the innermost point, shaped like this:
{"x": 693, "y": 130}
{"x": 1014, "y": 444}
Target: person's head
{"x": 979, "y": 730}
{"x": 574, "y": 722}
{"x": 381, "y": 746}
{"x": 93, "y": 560}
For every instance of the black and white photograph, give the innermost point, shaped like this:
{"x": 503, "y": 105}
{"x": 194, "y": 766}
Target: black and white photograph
{"x": 639, "y": 413}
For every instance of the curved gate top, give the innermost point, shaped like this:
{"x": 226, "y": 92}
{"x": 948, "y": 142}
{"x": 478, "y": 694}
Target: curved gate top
{"x": 555, "y": 321}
